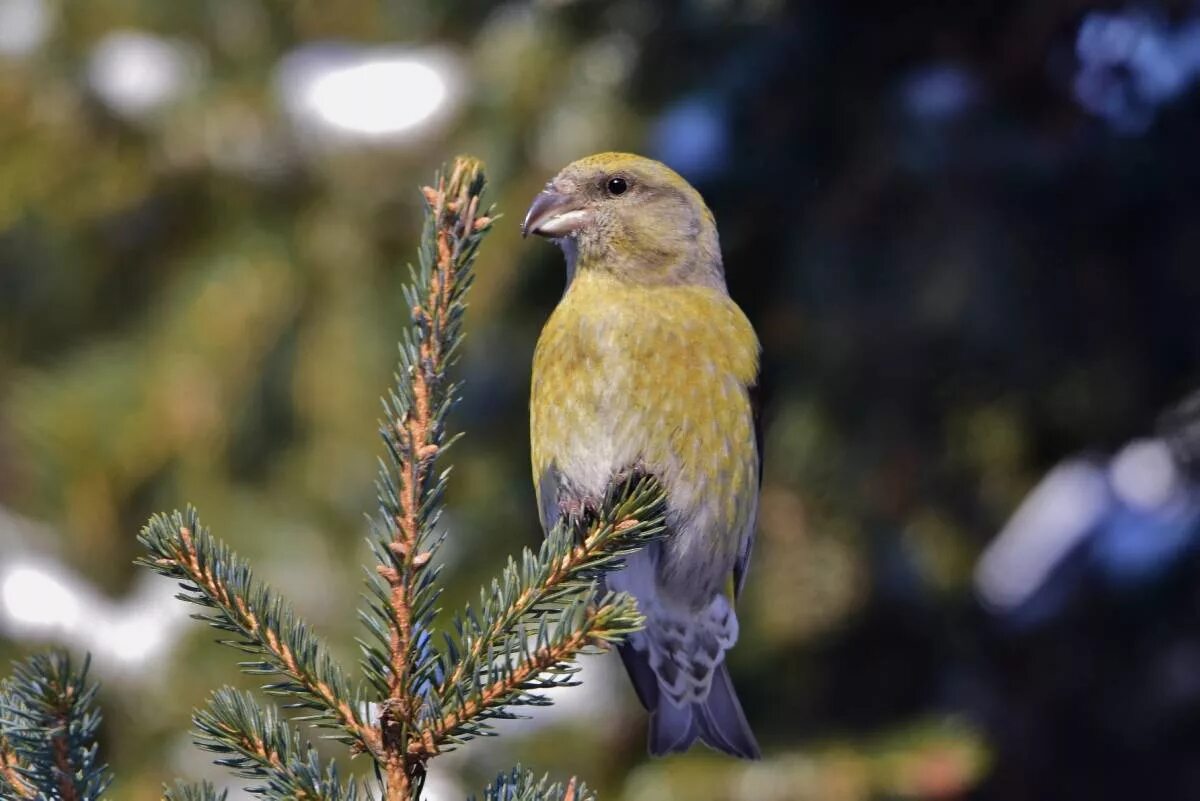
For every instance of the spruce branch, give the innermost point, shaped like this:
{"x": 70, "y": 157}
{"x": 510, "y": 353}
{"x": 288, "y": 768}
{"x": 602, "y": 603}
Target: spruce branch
{"x": 256, "y": 743}
{"x": 508, "y": 680}
{"x": 216, "y": 578}
{"x": 523, "y": 785}
{"x": 182, "y": 791}
{"x": 48, "y": 727}
{"x": 399, "y": 660}
{"x": 12, "y": 781}
{"x": 550, "y": 593}
{"x": 571, "y": 557}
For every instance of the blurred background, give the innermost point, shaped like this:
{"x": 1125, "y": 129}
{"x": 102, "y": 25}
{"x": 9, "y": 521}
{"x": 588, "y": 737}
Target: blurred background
{"x": 966, "y": 233}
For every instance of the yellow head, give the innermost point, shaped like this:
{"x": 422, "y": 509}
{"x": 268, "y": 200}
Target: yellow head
{"x": 631, "y": 217}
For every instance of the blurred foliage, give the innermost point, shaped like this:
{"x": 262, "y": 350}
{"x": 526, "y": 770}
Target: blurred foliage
{"x": 958, "y": 273}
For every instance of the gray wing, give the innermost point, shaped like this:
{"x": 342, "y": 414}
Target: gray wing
{"x": 549, "y": 509}
{"x": 742, "y": 564}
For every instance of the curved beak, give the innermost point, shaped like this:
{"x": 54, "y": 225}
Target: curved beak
{"x": 553, "y": 215}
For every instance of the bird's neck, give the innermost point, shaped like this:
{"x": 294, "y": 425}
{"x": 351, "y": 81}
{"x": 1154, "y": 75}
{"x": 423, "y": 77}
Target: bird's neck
{"x": 570, "y": 249}
{"x": 686, "y": 263}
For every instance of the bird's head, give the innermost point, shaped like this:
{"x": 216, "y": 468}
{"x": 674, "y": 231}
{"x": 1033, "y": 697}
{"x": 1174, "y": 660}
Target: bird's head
{"x": 629, "y": 216}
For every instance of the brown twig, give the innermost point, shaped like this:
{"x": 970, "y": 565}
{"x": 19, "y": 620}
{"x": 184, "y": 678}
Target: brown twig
{"x": 187, "y": 559}
{"x": 62, "y": 760}
{"x": 9, "y": 769}
{"x": 253, "y": 746}
{"x": 528, "y": 668}
{"x": 419, "y": 440}
{"x": 58, "y": 728}
{"x": 579, "y": 555}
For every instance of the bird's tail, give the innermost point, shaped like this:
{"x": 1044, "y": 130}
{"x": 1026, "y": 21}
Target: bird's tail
{"x": 717, "y": 721}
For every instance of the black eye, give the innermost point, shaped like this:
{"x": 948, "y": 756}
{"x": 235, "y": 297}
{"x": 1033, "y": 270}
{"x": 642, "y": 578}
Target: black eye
{"x": 617, "y": 186}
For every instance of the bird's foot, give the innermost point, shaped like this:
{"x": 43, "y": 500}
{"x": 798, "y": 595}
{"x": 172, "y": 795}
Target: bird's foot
{"x": 584, "y": 510}
{"x": 580, "y": 511}
{"x": 627, "y": 477}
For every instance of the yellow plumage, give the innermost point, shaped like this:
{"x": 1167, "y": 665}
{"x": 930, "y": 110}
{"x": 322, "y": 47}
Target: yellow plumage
{"x": 654, "y": 375}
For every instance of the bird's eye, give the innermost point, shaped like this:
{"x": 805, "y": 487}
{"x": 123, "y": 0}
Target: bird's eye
{"x": 617, "y": 186}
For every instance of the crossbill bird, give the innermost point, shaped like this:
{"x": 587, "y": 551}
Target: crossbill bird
{"x": 647, "y": 365}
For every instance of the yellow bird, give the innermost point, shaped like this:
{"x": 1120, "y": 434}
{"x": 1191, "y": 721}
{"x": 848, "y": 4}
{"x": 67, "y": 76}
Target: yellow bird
{"x": 647, "y": 365}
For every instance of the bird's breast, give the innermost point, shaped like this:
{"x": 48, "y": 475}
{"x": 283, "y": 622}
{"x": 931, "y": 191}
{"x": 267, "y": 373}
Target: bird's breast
{"x": 655, "y": 376}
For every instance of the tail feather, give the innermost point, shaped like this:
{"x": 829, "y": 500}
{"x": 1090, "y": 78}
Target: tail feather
{"x": 677, "y": 664}
{"x": 645, "y": 683}
{"x": 672, "y": 728}
{"x": 717, "y": 721}
{"x": 722, "y": 722}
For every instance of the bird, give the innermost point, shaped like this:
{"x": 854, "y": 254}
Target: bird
{"x": 646, "y": 365}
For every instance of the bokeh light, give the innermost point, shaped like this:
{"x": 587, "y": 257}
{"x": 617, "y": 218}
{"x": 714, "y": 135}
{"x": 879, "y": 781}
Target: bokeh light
{"x": 343, "y": 94}
{"x": 24, "y": 26}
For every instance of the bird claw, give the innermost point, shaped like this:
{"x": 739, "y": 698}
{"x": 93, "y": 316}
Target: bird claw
{"x": 628, "y": 477}
{"x": 580, "y": 511}
{"x": 584, "y": 511}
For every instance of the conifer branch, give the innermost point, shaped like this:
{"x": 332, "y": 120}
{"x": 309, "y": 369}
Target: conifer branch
{"x": 257, "y": 744}
{"x": 48, "y": 731}
{"x": 516, "y": 681}
{"x": 399, "y": 662}
{"x": 217, "y": 578}
{"x": 522, "y": 785}
{"x": 570, "y": 558}
{"x": 550, "y": 593}
{"x": 12, "y": 782}
{"x": 183, "y": 791}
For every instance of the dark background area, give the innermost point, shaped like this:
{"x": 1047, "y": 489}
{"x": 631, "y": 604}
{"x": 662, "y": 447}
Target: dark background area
{"x": 965, "y": 232}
